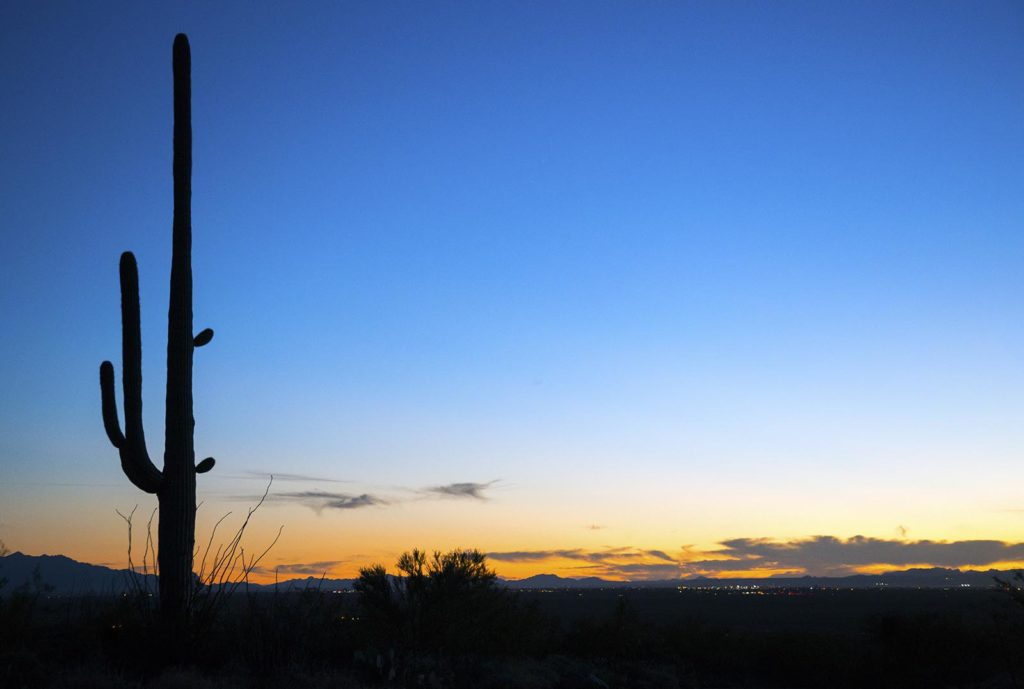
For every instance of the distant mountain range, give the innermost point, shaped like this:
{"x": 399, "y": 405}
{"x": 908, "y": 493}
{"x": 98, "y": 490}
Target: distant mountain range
{"x": 934, "y": 577}
{"x": 62, "y": 575}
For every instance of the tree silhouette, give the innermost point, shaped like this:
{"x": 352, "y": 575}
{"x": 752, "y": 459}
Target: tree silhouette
{"x": 445, "y": 602}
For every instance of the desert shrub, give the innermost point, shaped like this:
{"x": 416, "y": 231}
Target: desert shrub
{"x": 442, "y": 617}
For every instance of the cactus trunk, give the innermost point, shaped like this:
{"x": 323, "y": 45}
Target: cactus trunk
{"x": 178, "y": 493}
{"x": 175, "y": 486}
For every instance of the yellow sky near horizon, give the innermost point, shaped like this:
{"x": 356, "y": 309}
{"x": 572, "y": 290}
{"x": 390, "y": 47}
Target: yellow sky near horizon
{"x": 558, "y": 537}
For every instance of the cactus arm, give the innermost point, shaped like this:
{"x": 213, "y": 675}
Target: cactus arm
{"x": 203, "y": 338}
{"x": 135, "y": 461}
{"x": 111, "y": 424}
{"x": 139, "y": 469}
{"x": 131, "y": 350}
{"x": 205, "y": 465}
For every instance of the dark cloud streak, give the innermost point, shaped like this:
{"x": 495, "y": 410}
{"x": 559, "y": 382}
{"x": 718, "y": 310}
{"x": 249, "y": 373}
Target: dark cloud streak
{"x": 265, "y": 476}
{"x": 828, "y": 555}
{"x": 470, "y": 490}
{"x": 319, "y": 500}
{"x": 307, "y": 568}
{"x": 816, "y": 555}
{"x": 620, "y": 562}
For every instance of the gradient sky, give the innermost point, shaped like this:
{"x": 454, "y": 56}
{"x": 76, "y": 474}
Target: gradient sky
{"x": 631, "y": 289}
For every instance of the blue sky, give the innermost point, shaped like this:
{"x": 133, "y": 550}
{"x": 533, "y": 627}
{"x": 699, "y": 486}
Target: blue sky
{"x": 631, "y": 259}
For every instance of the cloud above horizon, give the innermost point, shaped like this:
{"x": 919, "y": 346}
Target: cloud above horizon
{"x": 467, "y": 489}
{"x": 832, "y": 556}
{"x": 814, "y": 555}
{"x": 305, "y": 568}
{"x": 305, "y": 478}
{"x": 320, "y": 500}
{"x": 619, "y": 563}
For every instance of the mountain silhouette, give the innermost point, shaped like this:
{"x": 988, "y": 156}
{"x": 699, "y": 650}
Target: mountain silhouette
{"x": 64, "y": 576}
{"x": 553, "y": 581}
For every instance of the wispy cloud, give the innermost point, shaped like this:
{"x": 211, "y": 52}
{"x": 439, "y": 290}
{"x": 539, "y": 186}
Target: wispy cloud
{"x": 533, "y": 555}
{"x": 470, "y": 490}
{"x": 304, "y": 568}
{"x": 829, "y": 555}
{"x": 815, "y": 555}
{"x": 305, "y": 478}
{"x": 620, "y": 553}
{"x": 614, "y": 563}
{"x": 320, "y": 500}
{"x": 634, "y": 571}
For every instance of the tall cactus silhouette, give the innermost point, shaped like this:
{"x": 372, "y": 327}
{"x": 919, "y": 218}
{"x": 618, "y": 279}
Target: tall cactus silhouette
{"x": 175, "y": 486}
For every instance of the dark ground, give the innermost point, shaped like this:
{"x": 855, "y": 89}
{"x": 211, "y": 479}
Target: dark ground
{"x": 778, "y": 610}
{"x": 571, "y": 639}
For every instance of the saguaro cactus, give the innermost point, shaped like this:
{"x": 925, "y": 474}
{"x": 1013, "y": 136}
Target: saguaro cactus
{"x": 175, "y": 486}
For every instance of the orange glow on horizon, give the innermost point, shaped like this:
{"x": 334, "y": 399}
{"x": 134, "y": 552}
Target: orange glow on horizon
{"x": 523, "y": 570}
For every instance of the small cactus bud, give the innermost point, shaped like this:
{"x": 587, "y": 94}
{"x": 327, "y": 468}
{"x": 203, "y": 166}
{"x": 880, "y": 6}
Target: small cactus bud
{"x": 205, "y": 465}
{"x": 203, "y": 338}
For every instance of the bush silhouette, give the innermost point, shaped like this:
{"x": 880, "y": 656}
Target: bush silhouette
{"x": 440, "y": 603}
{"x": 442, "y": 615}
